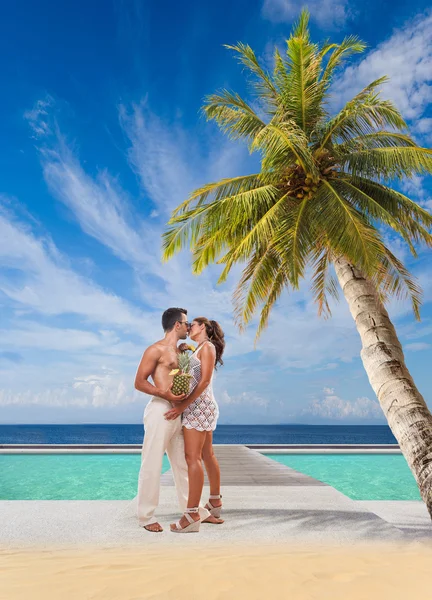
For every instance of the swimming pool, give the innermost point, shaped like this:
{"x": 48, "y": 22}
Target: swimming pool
{"x": 114, "y": 476}
{"x": 358, "y": 476}
{"x": 70, "y": 476}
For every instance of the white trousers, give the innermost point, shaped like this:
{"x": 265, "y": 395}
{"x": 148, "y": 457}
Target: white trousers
{"x": 161, "y": 436}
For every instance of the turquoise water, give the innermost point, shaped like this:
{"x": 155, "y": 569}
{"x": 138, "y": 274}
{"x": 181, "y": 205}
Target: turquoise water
{"x": 114, "y": 476}
{"x": 70, "y": 476}
{"x": 358, "y": 476}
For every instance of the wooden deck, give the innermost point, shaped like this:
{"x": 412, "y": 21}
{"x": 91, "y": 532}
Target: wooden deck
{"x": 242, "y": 466}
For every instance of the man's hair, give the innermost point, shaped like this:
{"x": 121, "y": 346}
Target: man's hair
{"x": 171, "y": 316}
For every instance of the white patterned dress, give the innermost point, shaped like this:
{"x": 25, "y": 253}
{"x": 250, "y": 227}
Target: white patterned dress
{"x": 203, "y": 413}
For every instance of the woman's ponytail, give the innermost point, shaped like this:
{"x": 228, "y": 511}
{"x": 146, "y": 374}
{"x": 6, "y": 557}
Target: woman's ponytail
{"x": 215, "y": 335}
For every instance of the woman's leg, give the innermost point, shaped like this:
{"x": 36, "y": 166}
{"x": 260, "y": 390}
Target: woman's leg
{"x": 193, "y": 442}
{"x": 212, "y": 467}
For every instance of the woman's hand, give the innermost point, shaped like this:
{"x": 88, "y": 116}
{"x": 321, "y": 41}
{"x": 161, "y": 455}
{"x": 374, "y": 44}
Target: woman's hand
{"x": 173, "y": 413}
{"x": 183, "y": 347}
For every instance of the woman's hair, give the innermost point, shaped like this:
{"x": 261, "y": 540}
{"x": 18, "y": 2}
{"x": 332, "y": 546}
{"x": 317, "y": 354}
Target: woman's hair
{"x": 215, "y": 335}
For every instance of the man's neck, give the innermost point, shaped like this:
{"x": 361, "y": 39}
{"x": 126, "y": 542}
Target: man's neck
{"x": 171, "y": 339}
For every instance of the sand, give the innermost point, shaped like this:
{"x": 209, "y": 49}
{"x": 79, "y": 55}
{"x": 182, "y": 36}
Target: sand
{"x": 353, "y": 572}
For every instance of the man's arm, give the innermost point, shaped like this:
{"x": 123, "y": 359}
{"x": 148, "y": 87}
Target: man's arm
{"x": 146, "y": 367}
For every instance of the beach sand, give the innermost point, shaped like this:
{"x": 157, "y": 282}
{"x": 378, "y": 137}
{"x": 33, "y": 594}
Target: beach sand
{"x": 357, "y": 572}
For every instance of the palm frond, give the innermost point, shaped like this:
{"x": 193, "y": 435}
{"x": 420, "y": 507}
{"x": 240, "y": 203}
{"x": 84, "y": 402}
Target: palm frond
{"x": 263, "y": 84}
{"x": 208, "y": 249}
{"x": 187, "y": 227}
{"x": 254, "y": 284}
{"x": 233, "y": 115}
{"x": 303, "y": 92}
{"x": 295, "y": 236}
{"x": 389, "y": 162}
{"x": 278, "y": 285}
{"x": 350, "y": 45}
{"x": 348, "y": 231}
{"x": 413, "y": 217}
{"x": 384, "y": 205}
{"x": 218, "y": 190}
{"x": 394, "y": 279}
{"x": 362, "y": 115}
{"x": 377, "y": 139}
{"x": 258, "y": 235}
{"x": 280, "y": 72}
{"x": 322, "y": 282}
{"x": 282, "y": 145}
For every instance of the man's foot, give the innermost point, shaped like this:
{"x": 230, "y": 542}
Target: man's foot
{"x": 213, "y": 520}
{"x": 154, "y": 528}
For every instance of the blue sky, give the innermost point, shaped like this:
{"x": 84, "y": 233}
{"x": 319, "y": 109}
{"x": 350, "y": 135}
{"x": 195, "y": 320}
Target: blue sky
{"x": 101, "y": 138}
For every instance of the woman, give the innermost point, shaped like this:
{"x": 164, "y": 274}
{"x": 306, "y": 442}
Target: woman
{"x": 200, "y": 413}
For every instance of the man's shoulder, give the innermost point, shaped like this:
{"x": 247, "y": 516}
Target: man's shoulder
{"x": 156, "y": 348}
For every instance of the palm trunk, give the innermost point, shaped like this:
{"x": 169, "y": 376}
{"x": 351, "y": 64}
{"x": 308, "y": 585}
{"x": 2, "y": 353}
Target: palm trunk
{"x": 383, "y": 359}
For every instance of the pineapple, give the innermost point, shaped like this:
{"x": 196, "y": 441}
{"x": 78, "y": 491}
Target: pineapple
{"x": 181, "y": 381}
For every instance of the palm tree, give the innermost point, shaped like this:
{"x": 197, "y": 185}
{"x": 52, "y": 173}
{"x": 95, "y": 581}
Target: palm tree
{"x": 319, "y": 205}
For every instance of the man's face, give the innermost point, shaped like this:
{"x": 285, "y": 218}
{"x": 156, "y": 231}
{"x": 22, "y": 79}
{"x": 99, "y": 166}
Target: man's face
{"x": 183, "y": 327}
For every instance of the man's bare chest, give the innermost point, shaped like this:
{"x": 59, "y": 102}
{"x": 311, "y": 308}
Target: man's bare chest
{"x": 169, "y": 359}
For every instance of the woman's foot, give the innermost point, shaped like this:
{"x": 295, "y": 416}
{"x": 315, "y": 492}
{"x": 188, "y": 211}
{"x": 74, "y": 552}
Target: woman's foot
{"x": 190, "y": 521}
{"x": 213, "y": 520}
{"x": 214, "y": 505}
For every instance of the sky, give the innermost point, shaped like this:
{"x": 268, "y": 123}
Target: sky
{"x": 101, "y": 137}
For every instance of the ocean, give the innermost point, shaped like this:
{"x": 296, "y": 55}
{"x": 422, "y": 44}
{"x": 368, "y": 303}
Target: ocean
{"x": 224, "y": 434}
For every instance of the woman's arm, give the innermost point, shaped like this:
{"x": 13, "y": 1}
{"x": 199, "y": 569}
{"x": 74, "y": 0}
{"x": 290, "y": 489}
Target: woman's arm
{"x": 208, "y": 357}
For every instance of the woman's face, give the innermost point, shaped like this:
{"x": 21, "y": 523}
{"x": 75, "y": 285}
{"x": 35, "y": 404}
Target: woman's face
{"x": 195, "y": 330}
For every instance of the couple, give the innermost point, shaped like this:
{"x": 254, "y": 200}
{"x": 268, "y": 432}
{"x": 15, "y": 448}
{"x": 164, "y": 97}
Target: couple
{"x": 182, "y": 426}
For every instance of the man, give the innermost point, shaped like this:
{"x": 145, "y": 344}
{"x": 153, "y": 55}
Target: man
{"x": 162, "y": 435}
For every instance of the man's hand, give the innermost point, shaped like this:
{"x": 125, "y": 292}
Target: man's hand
{"x": 168, "y": 395}
{"x": 173, "y": 413}
{"x": 183, "y": 347}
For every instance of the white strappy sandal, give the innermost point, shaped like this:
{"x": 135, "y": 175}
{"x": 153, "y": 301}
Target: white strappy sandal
{"x": 193, "y": 526}
{"x": 215, "y": 511}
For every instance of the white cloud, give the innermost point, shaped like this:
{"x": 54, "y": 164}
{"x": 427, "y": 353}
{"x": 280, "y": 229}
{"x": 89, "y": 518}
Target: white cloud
{"x": 108, "y": 388}
{"x": 245, "y": 398}
{"x": 406, "y": 57}
{"x": 32, "y": 335}
{"x": 100, "y": 206}
{"x": 39, "y": 116}
{"x": 169, "y": 166}
{"x": 417, "y": 346}
{"x": 155, "y": 155}
{"x": 47, "y": 397}
{"x": 297, "y": 338}
{"x": 331, "y": 407}
{"x": 327, "y": 13}
{"x": 415, "y": 330}
{"x": 424, "y": 125}
{"x": 49, "y": 286}
{"x": 169, "y": 162}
